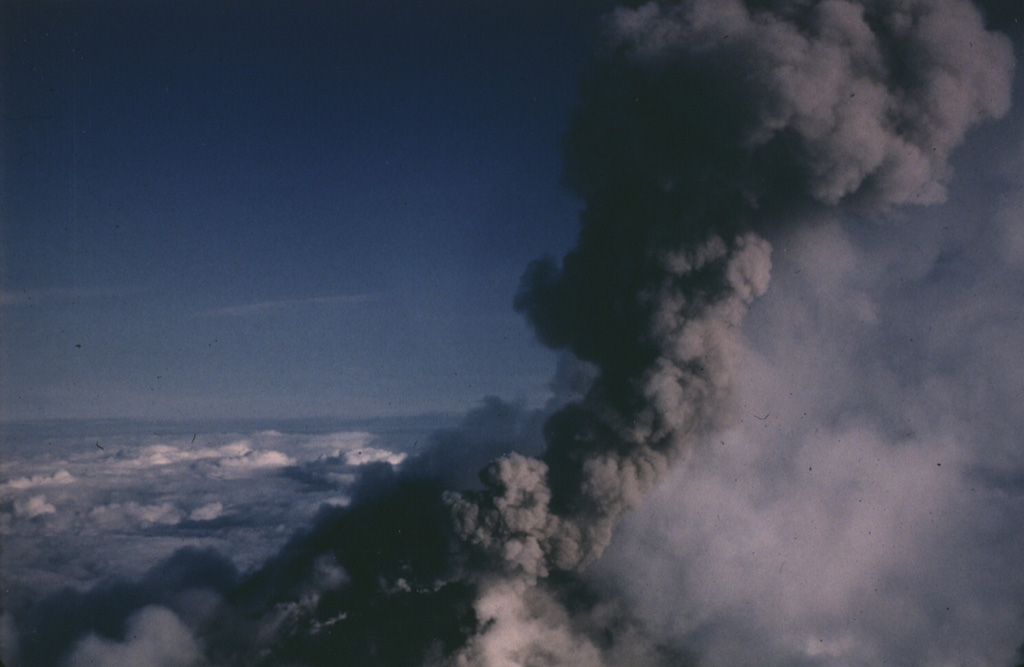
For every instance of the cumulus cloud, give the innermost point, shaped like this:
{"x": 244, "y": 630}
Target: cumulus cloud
{"x": 118, "y": 621}
{"x": 33, "y": 507}
{"x": 155, "y": 637}
{"x": 140, "y": 494}
{"x": 58, "y": 478}
{"x": 250, "y": 459}
{"x": 234, "y": 456}
{"x": 207, "y": 512}
{"x": 360, "y": 457}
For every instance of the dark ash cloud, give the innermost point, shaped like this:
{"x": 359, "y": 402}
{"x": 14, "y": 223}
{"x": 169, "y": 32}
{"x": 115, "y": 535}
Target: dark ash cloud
{"x": 707, "y": 132}
{"x": 700, "y": 122}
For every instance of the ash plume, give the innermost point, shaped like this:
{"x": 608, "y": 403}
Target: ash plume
{"x": 704, "y": 128}
{"x": 704, "y": 125}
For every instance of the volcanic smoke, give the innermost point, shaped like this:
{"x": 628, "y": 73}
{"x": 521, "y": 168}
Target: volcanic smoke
{"x": 705, "y": 126}
{"x": 704, "y": 129}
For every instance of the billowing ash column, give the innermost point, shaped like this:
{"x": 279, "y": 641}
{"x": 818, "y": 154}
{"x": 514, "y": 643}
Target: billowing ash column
{"x": 703, "y": 125}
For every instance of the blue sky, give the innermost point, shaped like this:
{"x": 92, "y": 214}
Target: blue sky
{"x": 227, "y": 210}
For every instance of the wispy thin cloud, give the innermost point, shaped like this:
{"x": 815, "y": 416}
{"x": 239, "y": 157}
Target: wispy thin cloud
{"x": 30, "y": 297}
{"x": 270, "y": 307}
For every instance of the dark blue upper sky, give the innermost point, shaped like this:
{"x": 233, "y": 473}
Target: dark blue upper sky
{"x": 235, "y": 209}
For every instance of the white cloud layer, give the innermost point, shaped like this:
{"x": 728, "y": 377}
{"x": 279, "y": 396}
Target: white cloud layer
{"x": 94, "y": 506}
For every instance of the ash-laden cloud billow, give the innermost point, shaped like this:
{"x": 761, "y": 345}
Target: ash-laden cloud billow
{"x": 702, "y": 126}
{"x": 704, "y": 129}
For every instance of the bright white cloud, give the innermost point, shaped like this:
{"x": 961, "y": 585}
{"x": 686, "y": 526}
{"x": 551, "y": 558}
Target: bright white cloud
{"x": 362, "y": 456}
{"x": 251, "y": 459}
{"x": 58, "y": 478}
{"x": 237, "y": 456}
